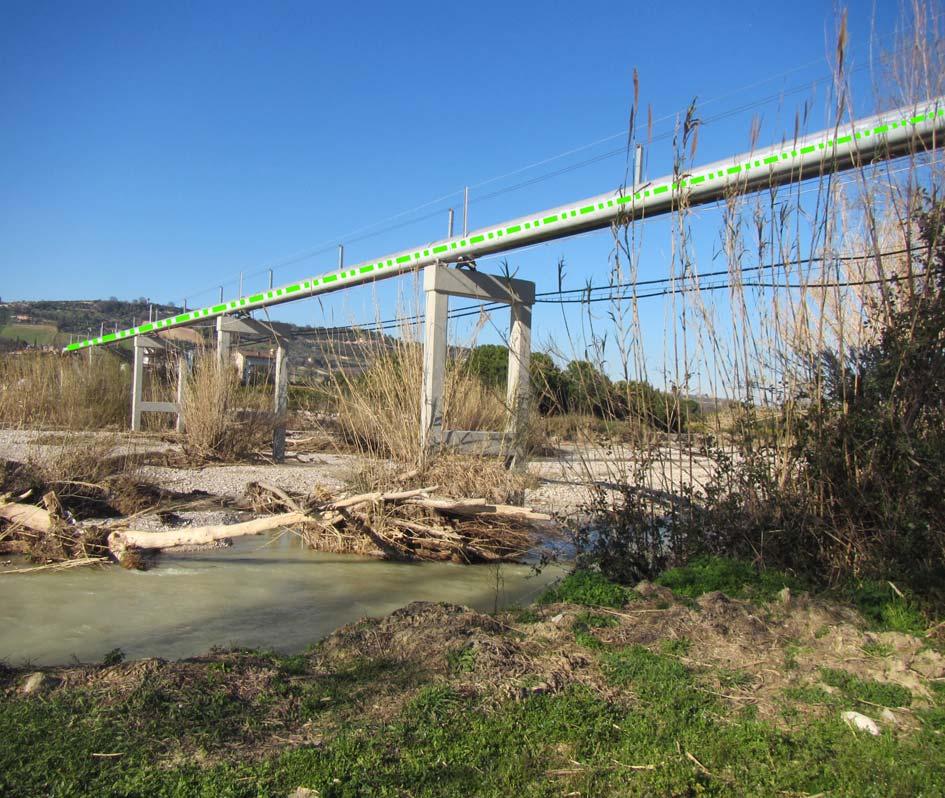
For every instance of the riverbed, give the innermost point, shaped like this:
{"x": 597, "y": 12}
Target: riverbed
{"x": 268, "y": 593}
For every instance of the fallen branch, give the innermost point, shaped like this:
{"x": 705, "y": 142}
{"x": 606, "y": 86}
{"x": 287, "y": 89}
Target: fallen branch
{"x": 473, "y": 507}
{"x": 120, "y": 541}
{"x": 378, "y": 498}
{"x": 28, "y": 515}
{"x": 58, "y": 566}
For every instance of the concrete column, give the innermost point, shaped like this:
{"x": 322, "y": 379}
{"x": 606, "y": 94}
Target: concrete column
{"x": 280, "y": 403}
{"x": 434, "y": 368}
{"x": 183, "y": 370}
{"x": 520, "y": 350}
{"x": 224, "y": 341}
{"x": 137, "y": 385}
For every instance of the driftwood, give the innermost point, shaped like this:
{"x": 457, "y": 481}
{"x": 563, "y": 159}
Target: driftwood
{"x": 401, "y": 525}
{"x": 27, "y": 515}
{"x": 120, "y": 541}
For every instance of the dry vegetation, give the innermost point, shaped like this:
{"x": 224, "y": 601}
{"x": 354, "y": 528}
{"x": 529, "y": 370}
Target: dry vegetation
{"x": 222, "y": 419}
{"x": 52, "y": 391}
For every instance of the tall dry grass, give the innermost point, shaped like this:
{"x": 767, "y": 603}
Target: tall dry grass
{"x": 787, "y": 471}
{"x": 49, "y": 390}
{"x": 376, "y": 409}
{"x": 222, "y": 419}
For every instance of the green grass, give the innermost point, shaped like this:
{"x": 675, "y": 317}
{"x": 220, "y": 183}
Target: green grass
{"x": 882, "y": 693}
{"x": 34, "y": 334}
{"x": 734, "y": 578}
{"x": 444, "y": 744}
{"x": 884, "y": 609}
{"x": 589, "y": 588}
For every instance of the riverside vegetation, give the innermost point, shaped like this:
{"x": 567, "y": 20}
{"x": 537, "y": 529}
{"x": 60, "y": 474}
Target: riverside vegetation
{"x": 599, "y": 689}
{"x": 759, "y": 576}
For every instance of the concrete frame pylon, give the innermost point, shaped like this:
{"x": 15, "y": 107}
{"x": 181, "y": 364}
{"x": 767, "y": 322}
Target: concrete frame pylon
{"x": 440, "y": 282}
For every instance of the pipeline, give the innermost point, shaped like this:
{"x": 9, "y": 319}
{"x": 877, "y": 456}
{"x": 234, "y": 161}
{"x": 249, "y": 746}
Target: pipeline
{"x": 846, "y": 146}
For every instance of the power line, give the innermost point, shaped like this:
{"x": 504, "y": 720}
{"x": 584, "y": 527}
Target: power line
{"x": 698, "y": 282}
{"x": 361, "y": 234}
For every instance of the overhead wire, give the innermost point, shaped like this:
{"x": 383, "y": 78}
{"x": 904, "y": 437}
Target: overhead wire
{"x": 361, "y": 233}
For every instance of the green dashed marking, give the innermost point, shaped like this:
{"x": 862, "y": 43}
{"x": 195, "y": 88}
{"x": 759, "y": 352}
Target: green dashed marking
{"x": 498, "y": 233}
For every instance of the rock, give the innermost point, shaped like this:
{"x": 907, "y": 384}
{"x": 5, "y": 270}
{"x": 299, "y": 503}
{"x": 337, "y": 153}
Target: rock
{"x": 930, "y": 664}
{"x": 861, "y": 723}
{"x": 35, "y": 683}
{"x": 558, "y": 618}
{"x": 784, "y": 596}
{"x": 304, "y": 792}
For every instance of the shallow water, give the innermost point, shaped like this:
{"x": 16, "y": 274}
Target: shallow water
{"x": 258, "y": 593}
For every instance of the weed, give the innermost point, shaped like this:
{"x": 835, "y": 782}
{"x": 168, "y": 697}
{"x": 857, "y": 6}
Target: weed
{"x": 874, "y": 648}
{"x": 462, "y": 659}
{"x": 114, "y": 657}
{"x": 677, "y": 647}
{"x": 887, "y": 695}
{"x": 733, "y": 577}
{"x": 587, "y": 587}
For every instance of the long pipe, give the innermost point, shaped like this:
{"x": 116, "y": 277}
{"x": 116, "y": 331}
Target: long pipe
{"x": 847, "y": 146}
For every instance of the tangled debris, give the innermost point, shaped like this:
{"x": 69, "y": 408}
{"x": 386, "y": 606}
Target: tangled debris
{"x": 405, "y": 525}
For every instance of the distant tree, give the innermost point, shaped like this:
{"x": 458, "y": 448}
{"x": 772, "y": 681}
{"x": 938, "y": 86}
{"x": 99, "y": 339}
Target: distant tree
{"x": 490, "y": 363}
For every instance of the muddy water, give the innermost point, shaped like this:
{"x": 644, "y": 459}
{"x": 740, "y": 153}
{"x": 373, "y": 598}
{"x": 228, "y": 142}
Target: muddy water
{"x": 261, "y": 594}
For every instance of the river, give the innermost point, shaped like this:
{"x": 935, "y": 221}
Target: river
{"x": 260, "y": 593}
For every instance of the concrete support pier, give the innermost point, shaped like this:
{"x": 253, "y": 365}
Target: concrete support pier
{"x": 440, "y": 283}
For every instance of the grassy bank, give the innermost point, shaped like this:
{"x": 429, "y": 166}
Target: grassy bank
{"x": 640, "y": 693}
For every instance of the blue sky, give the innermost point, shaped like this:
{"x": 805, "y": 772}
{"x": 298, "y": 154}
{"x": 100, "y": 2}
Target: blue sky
{"x": 159, "y": 149}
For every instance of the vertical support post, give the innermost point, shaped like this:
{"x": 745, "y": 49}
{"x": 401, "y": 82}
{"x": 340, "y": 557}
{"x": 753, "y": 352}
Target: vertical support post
{"x": 466, "y": 211}
{"x": 519, "y": 388}
{"x": 224, "y": 339}
{"x": 638, "y": 166}
{"x": 241, "y": 284}
{"x": 449, "y": 232}
{"x": 434, "y": 365}
{"x": 270, "y": 279}
{"x": 341, "y": 256}
{"x": 137, "y": 385}
{"x": 280, "y": 403}
{"x": 183, "y": 369}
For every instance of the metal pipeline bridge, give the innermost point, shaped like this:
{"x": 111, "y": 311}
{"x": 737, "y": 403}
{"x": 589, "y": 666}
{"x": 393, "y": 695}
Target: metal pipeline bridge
{"x": 899, "y": 132}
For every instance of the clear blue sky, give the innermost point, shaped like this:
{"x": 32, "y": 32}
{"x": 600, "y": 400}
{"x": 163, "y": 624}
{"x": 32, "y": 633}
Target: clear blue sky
{"x": 157, "y": 149}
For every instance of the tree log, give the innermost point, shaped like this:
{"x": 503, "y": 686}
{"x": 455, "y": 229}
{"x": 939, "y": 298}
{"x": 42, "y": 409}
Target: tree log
{"x": 473, "y": 507}
{"x": 28, "y": 515}
{"x": 119, "y": 541}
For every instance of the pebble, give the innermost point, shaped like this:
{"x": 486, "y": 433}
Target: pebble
{"x": 861, "y": 723}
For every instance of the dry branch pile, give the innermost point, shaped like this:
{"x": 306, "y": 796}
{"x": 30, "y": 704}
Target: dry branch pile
{"x": 404, "y": 525}
{"x": 410, "y": 525}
